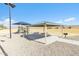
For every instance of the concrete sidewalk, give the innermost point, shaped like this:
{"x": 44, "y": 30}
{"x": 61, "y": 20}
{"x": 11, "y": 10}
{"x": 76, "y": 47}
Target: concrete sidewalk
{"x": 68, "y": 41}
{"x": 47, "y": 40}
{"x": 51, "y": 39}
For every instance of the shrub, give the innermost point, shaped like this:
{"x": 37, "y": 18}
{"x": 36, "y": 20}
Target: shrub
{"x": 2, "y": 27}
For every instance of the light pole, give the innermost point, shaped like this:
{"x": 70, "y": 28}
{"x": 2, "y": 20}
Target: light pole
{"x": 10, "y": 5}
{"x": 10, "y": 21}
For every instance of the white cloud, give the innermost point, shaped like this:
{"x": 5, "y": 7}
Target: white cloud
{"x": 5, "y": 22}
{"x": 70, "y": 19}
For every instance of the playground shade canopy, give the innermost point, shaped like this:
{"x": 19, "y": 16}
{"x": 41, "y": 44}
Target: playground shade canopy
{"x": 21, "y": 23}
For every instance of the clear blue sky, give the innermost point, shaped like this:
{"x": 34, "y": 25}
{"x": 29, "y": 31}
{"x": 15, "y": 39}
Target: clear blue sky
{"x": 33, "y": 13}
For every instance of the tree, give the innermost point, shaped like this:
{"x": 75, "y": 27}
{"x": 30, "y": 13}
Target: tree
{"x": 2, "y": 27}
{"x": 69, "y": 27}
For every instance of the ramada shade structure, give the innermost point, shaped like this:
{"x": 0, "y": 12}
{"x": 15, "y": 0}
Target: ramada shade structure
{"x": 23, "y": 23}
{"x": 45, "y": 24}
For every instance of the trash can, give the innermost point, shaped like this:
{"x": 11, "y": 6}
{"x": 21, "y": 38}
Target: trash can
{"x": 65, "y": 34}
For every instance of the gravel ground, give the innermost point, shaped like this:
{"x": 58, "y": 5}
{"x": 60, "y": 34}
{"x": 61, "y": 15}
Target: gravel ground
{"x": 19, "y": 46}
